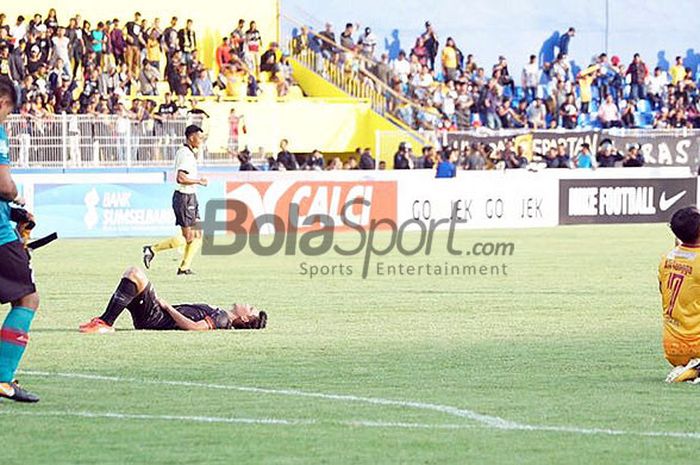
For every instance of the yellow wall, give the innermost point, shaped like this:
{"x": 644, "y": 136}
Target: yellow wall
{"x": 309, "y": 123}
{"x": 212, "y": 20}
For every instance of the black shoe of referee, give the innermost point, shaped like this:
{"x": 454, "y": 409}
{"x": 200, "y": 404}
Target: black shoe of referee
{"x": 13, "y": 391}
{"x": 148, "y": 256}
{"x": 184, "y": 272}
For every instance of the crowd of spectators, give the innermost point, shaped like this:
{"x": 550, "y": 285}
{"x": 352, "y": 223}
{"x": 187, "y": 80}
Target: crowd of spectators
{"x": 436, "y": 85}
{"x": 73, "y": 66}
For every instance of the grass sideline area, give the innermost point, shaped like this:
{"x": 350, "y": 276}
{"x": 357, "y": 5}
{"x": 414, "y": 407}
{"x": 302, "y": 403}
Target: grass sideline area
{"x": 558, "y": 362}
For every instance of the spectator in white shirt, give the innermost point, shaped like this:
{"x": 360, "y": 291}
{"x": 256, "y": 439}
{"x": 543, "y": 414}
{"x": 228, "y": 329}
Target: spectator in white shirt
{"x": 401, "y": 67}
{"x": 608, "y": 114}
{"x": 531, "y": 77}
{"x": 656, "y": 87}
{"x": 19, "y": 30}
{"x": 536, "y": 114}
{"x": 368, "y": 42}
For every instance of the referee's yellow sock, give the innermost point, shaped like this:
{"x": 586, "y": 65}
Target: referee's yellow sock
{"x": 167, "y": 244}
{"x": 190, "y": 250}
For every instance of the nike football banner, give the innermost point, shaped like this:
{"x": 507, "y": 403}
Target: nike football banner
{"x": 592, "y": 201}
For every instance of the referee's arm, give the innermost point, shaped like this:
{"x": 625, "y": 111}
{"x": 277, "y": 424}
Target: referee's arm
{"x": 185, "y": 180}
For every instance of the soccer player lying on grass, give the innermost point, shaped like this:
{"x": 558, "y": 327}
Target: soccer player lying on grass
{"x": 136, "y": 294}
{"x": 679, "y": 283}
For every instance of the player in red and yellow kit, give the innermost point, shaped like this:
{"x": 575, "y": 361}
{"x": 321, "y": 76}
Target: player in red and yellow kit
{"x": 679, "y": 284}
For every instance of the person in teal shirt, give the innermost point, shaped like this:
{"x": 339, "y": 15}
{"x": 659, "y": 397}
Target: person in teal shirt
{"x": 16, "y": 276}
{"x": 584, "y": 159}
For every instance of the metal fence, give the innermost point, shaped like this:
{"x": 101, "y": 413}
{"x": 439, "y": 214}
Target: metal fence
{"x": 73, "y": 141}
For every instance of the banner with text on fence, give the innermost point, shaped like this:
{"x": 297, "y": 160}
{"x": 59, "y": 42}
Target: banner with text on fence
{"x": 660, "y": 148}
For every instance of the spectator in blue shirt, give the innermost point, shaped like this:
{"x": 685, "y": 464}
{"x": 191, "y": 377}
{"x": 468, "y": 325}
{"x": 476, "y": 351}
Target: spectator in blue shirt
{"x": 584, "y": 159}
{"x": 446, "y": 168}
{"x": 564, "y": 41}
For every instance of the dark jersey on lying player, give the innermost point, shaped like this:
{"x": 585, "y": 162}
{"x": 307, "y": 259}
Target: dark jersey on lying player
{"x": 137, "y": 295}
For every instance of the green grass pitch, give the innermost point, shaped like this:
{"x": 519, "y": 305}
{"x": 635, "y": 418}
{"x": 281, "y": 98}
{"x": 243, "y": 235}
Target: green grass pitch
{"x": 558, "y": 362}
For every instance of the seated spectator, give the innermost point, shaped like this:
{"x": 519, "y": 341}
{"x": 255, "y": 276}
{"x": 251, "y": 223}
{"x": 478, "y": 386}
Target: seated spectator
{"x": 475, "y": 160}
{"x": 633, "y": 158}
{"x": 202, "y": 85}
{"x": 286, "y": 158}
{"x": 628, "y": 120}
{"x": 366, "y": 160}
{"x": 446, "y": 168}
{"x": 661, "y": 119}
{"x": 269, "y": 59}
{"x": 244, "y": 159}
{"x": 148, "y": 79}
{"x": 512, "y": 159}
{"x": 428, "y": 160}
{"x": 314, "y": 162}
{"x": 584, "y": 159}
{"x": 563, "y": 158}
{"x": 536, "y": 114}
{"x": 608, "y": 156}
{"x": 401, "y": 161}
{"x": 608, "y": 114}
{"x": 335, "y": 164}
{"x": 569, "y": 112}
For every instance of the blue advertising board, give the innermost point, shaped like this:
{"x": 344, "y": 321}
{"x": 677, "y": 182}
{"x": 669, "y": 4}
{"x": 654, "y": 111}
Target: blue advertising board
{"x": 110, "y": 210}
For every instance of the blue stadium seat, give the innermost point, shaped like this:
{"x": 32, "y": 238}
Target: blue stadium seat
{"x": 643, "y": 106}
{"x": 584, "y": 120}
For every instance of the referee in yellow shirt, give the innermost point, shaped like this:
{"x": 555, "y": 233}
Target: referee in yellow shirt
{"x": 185, "y": 203}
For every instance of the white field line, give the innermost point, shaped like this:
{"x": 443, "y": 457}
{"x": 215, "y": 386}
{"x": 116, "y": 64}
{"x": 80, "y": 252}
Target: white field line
{"x": 483, "y": 421}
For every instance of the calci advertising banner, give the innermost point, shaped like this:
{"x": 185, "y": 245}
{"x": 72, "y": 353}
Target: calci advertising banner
{"x": 303, "y": 204}
{"x": 591, "y": 201}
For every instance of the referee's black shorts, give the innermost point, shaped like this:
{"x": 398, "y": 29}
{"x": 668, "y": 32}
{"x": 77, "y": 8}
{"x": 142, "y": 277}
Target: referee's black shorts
{"x": 16, "y": 277}
{"x": 186, "y": 209}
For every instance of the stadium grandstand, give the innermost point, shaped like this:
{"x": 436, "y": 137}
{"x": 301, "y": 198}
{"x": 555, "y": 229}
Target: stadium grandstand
{"x": 117, "y": 89}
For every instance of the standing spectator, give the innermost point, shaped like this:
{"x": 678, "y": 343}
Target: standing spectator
{"x": 531, "y": 77}
{"x": 584, "y": 159}
{"x": 511, "y": 159}
{"x": 677, "y": 71}
{"x": 4, "y": 62}
{"x": 450, "y": 63}
{"x": 328, "y": 41}
{"x": 367, "y": 43}
{"x": 18, "y": 62}
{"x": 446, "y": 168}
{"x": 77, "y": 45}
{"x": 60, "y": 46}
{"x": 19, "y": 30}
{"x": 51, "y": 21}
{"x": 346, "y": 40}
{"x": 585, "y": 81}
{"x": 98, "y": 41}
{"x": 366, "y": 160}
{"x": 430, "y": 39}
{"x": 608, "y": 114}
{"x": 253, "y": 43}
{"x": 187, "y": 40}
{"x": 563, "y": 158}
{"x": 401, "y": 161}
{"x": 638, "y": 72}
{"x": 502, "y": 75}
{"x": 153, "y": 50}
{"x": 565, "y": 39}
{"x": 236, "y": 125}
{"x": 133, "y": 44}
{"x": 616, "y": 79}
{"x": 169, "y": 38}
{"x": 286, "y": 158}
{"x": 238, "y": 39}
{"x": 223, "y": 53}
{"x": 116, "y": 38}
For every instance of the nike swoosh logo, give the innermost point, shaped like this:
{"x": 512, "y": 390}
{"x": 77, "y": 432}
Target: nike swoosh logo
{"x": 665, "y": 204}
